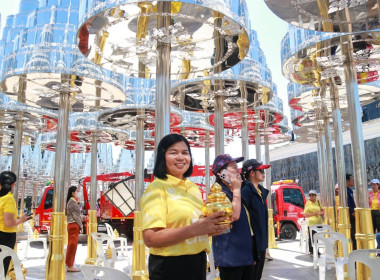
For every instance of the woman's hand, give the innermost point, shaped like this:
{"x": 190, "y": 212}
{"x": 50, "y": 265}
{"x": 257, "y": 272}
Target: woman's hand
{"x": 81, "y": 230}
{"x": 209, "y": 225}
{"x": 163, "y": 237}
{"x": 23, "y": 218}
{"x": 235, "y": 187}
{"x": 236, "y": 182}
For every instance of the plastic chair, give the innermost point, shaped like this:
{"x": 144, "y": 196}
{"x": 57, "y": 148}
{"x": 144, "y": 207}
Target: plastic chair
{"x": 123, "y": 241}
{"x": 304, "y": 238}
{"x": 101, "y": 252}
{"x": 9, "y": 252}
{"x": 318, "y": 228}
{"x": 330, "y": 239}
{"x": 31, "y": 239}
{"x": 367, "y": 257}
{"x": 93, "y": 272}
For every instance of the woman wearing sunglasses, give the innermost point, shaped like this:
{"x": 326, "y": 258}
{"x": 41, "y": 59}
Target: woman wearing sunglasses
{"x": 255, "y": 195}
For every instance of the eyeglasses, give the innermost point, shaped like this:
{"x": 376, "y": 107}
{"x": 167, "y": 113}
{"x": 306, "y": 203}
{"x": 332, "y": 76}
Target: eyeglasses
{"x": 262, "y": 171}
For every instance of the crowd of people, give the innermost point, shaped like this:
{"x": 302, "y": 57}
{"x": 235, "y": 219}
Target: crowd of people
{"x": 178, "y": 236}
{"x": 314, "y": 211}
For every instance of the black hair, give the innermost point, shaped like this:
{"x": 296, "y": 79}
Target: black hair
{"x": 348, "y": 176}
{"x": 160, "y": 164}
{"x": 245, "y": 174}
{"x": 70, "y": 193}
{"x": 7, "y": 179}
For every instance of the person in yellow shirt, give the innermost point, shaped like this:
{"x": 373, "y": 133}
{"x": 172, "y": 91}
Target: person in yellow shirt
{"x": 374, "y": 201}
{"x": 8, "y": 214}
{"x": 314, "y": 213}
{"x": 173, "y": 229}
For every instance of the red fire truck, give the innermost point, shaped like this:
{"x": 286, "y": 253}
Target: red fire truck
{"x": 42, "y": 213}
{"x": 108, "y": 213}
{"x": 288, "y": 202}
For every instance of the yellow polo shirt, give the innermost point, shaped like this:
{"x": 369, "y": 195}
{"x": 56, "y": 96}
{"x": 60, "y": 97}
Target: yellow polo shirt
{"x": 7, "y": 205}
{"x": 375, "y": 203}
{"x": 173, "y": 203}
{"x": 312, "y": 207}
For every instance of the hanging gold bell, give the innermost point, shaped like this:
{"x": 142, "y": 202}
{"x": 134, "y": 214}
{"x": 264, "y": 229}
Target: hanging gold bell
{"x": 218, "y": 201}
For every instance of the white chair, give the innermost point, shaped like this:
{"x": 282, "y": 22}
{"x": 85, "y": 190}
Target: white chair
{"x": 304, "y": 238}
{"x": 101, "y": 252}
{"x": 9, "y": 252}
{"x": 31, "y": 239}
{"x": 123, "y": 241}
{"x": 330, "y": 240}
{"x": 317, "y": 246}
{"x": 369, "y": 257}
{"x": 93, "y": 272}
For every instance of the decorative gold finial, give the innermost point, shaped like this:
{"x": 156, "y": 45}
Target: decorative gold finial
{"x": 116, "y": 233}
{"x": 36, "y": 234}
{"x": 218, "y": 201}
{"x": 109, "y": 252}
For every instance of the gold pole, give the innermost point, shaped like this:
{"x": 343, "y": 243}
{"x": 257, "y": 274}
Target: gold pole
{"x": 326, "y": 218}
{"x": 271, "y": 238}
{"x": 55, "y": 262}
{"x": 55, "y": 266}
{"x": 344, "y": 227}
{"x": 365, "y": 239}
{"x": 92, "y": 227}
{"x": 330, "y": 211}
{"x": 66, "y": 232}
{"x": 139, "y": 271}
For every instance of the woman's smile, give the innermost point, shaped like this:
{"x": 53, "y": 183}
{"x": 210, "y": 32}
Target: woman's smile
{"x": 178, "y": 159}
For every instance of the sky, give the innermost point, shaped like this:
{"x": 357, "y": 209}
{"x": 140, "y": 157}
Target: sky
{"x": 270, "y": 31}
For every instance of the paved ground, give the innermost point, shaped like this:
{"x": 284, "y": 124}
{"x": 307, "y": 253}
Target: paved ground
{"x": 288, "y": 262}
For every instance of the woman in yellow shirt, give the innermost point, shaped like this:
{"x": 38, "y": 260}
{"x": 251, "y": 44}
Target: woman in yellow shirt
{"x": 171, "y": 210}
{"x": 314, "y": 213}
{"x": 8, "y": 214}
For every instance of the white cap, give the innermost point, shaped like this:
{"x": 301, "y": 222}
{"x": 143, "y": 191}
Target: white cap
{"x": 312, "y": 192}
{"x": 375, "y": 181}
